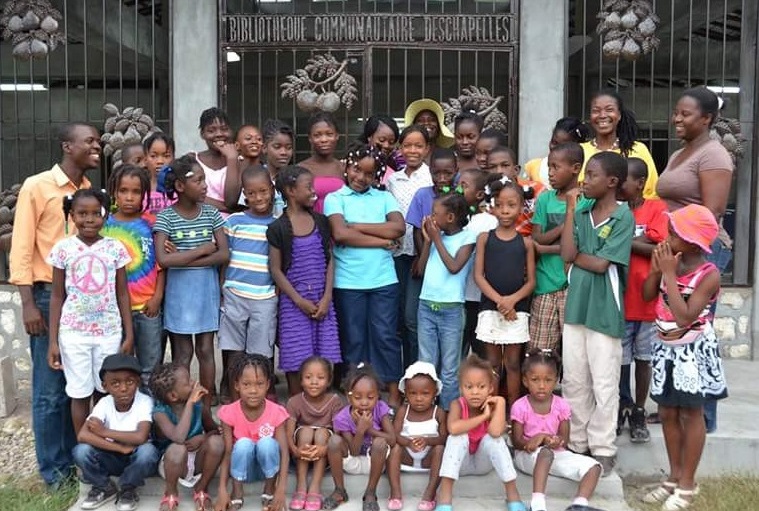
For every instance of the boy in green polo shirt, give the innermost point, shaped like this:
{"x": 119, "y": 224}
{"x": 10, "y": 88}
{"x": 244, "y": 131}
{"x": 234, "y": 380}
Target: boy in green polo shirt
{"x": 596, "y": 242}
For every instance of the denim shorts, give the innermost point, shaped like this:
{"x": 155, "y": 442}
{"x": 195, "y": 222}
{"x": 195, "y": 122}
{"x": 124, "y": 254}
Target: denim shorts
{"x": 638, "y": 341}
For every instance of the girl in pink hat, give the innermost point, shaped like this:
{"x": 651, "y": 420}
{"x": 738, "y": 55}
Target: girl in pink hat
{"x": 686, "y": 366}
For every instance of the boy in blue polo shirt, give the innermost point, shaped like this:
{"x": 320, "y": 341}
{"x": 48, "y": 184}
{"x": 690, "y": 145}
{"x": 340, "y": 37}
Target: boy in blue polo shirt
{"x": 596, "y": 242}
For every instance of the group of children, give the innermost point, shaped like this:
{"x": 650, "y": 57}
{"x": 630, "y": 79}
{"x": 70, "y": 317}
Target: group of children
{"x": 456, "y": 243}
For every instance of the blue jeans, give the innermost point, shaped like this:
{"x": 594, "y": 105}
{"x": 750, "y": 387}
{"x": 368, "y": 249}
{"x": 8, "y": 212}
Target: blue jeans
{"x": 98, "y": 465}
{"x": 410, "y": 287}
{"x": 148, "y": 341}
{"x": 253, "y": 461}
{"x": 721, "y": 257}
{"x": 54, "y": 435}
{"x": 368, "y": 323}
{"x": 441, "y": 326}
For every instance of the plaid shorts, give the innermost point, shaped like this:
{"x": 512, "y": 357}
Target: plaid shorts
{"x": 547, "y": 320}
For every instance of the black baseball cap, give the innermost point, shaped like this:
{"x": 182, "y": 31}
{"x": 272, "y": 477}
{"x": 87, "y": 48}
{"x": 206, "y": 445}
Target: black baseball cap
{"x": 120, "y": 362}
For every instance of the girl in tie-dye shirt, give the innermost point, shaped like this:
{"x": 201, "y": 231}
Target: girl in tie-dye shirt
{"x": 129, "y": 186}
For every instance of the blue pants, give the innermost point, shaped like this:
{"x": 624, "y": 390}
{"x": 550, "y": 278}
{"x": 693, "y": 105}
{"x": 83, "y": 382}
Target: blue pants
{"x": 148, "y": 342}
{"x": 253, "y": 461}
{"x": 441, "y": 327}
{"x": 54, "y": 435}
{"x": 410, "y": 287}
{"x": 368, "y": 323}
{"x": 98, "y": 466}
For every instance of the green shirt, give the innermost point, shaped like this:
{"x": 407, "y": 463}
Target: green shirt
{"x": 549, "y": 213}
{"x": 595, "y": 300}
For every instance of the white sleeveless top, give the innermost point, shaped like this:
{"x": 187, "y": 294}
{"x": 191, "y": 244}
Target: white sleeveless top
{"x": 426, "y": 428}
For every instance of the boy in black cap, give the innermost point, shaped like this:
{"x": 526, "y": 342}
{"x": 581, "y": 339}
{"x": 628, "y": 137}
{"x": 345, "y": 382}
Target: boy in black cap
{"x": 114, "y": 439}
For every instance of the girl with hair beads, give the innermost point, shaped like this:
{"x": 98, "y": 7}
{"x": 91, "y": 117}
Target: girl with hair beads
{"x": 503, "y": 321}
{"x": 420, "y": 434}
{"x": 364, "y": 438}
{"x": 475, "y": 445}
{"x": 366, "y": 224}
{"x": 187, "y": 434}
{"x": 566, "y": 130}
{"x": 466, "y": 129}
{"x": 159, "y": 151}
{"x": 133, "y": 227}
{"x": 328, "y": 171}
{"x": 540, "y": 433}
{"x": 278, "y": 140}
{"x": 381, "y": 132}
{"x": 309, "y": 429}
{"x": 687, "y": 368}
{"x": 301, "y": 263}
{"x": 445, "y": 262}
{"x": 472, "y": 183}
{"x": 220, "y": 156}
{"x": 248, "y": 142}
{"x": 255, "y": 441}
{"x": 89, "y": 302}
{"x": 197, "y": 231}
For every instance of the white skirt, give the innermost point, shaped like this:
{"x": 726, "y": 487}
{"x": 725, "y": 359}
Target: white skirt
{"x": 493, "y": 328}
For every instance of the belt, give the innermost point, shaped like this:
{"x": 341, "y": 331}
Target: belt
{"x": 45, "y": 286}
{"x": 437, "y": 306}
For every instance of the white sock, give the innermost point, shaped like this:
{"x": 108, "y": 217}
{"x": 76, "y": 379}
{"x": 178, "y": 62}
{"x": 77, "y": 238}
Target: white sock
{"x": 580, "y": 501}
{"x": 538, "y": 502}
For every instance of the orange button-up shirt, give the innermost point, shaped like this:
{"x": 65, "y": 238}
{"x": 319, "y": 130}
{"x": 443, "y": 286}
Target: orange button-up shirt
{"x": 39, "y": 224}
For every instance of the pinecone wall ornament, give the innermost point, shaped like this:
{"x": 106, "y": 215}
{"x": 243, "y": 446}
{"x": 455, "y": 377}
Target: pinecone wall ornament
{"x": 627, "y": 28}
{"x": 727, "y": 132}
{"x": 480, "y": 100}
{"x": 33, "y": 27}
{"x": 322, "y": 85}
{"x": 123, "y": 128}
{"x": 7, "y": 213}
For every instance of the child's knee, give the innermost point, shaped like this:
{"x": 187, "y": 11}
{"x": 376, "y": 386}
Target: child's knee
{"x": 267, "y": 445}
{"x": 82, "y": 453}
{"x": 244, "y": 447}
{"x": 176, "y": 454}
{"x": 668, "y": 414}
{"x": 146, "y": 453}
{"x": 335, "y": 443}
{"x": 214, "y": 444}
{"x": 321, "y": 436}
{"x": 436, "y": 452}
{"x": 379, "y": 447}
{"x": 545, "y": 455}
{"x": 304, "y": 436}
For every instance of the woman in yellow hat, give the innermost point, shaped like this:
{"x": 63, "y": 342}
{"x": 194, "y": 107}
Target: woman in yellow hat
{"x": 429, "y": 114}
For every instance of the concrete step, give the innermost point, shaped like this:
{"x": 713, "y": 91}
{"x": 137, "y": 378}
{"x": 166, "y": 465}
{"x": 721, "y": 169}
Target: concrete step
{"x": 151, "y": 503}
{"x": 487, "y": 486}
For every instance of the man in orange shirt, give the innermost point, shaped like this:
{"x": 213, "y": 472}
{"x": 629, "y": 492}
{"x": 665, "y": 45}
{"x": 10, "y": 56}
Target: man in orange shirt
{"x": 38, "y": 225}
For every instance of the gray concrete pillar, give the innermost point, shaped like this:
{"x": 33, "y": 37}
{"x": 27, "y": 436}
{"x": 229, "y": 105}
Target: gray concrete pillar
{"x": 194, "y": 70}
{"x": 542, "y": 73}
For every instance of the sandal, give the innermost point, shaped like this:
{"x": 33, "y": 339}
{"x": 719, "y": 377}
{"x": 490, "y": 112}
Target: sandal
{"x": 426, "y": 505}
{"x": 370, "y": 505}
{"x": 266, "y": 500}
{"x": 313, "y": 502}
{"x": 394, "y": 504}
{"x": 298, "y": 501}
{"x": 169, "y": 503}
{"x": 676, "y": 502}
{"x": 339, "y": 496}
{"x": 202, "y": 501}
{"x": 236, "y": 504}
{"x": 660, "y": 493}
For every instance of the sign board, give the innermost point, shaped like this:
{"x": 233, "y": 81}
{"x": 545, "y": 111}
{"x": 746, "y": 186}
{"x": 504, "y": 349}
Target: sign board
{"x": 356, "y": 29}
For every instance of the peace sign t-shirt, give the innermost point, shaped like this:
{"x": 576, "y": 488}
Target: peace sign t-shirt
{"x": 90, "y": 307}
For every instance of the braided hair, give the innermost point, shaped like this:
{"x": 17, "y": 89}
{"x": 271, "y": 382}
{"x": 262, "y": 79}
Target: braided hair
{"x": 163, "y": 378}
{"x": 627, "y": 127}
{"x": 474, "y": 361}
{"x": 127, "y": 170}
{"x": 359, "y": 152}
{"x": 357, "y": 373}
{"x": 155, "y": 137}
{"x": 538, "y": 356}
{"x": 287, "y": 177}
{"x": 317, "y": 359}
{"x": 209, "y": 115}
{"x": 242, "y": 361}
{"x": 468, "y": 114}
{"x": 456, "y": 203}
{"x": 324, "y": 117}
{"x": 179, "y": 170}
{"x": 574, "y": 127}
{"x": 100, "y": 195}
{"x": 273, "y": 127}
{"x": 495, "y": 187}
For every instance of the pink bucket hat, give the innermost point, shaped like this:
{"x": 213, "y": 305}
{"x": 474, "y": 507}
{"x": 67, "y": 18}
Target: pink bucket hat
{"x": 695, "y": 224}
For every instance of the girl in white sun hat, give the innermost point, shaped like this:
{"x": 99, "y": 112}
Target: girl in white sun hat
{"x": 420, "y": 429}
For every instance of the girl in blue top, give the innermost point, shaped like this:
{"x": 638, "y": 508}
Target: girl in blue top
{"x": 445, "y": 260}
{"x": 366, "y": 224}
{"x": 191, "y": 299}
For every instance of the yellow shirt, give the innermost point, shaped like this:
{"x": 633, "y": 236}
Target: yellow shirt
{"x": 39, "y": 224}
{"x": 639, "y": 150}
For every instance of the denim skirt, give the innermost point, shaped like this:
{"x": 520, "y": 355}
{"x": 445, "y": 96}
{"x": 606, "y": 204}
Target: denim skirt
{"x": 191, "y": 300}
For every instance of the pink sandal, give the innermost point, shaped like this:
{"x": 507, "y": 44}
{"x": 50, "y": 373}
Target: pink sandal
{"x": 394, "y": 504}
{"x": 426, "y": 505}
{"x": 298, "y": 501}
{"x": 169, "y": 503}
{"x": 202, "y": 501}
{"x": 313, "y": 502}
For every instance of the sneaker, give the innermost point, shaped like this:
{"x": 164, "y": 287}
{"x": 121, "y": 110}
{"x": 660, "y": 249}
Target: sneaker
{"x": 96, "y": 497}
{"x": 607, "y": 464}
{"x": 127, "y": 500}
{"x": 622, "y": 416}
{"x": 639, "y": 433}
